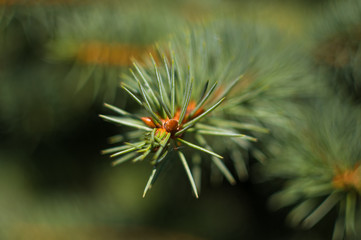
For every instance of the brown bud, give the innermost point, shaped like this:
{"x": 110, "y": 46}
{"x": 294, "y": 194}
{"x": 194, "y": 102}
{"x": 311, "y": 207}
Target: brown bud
{"x": 171, "y": 125}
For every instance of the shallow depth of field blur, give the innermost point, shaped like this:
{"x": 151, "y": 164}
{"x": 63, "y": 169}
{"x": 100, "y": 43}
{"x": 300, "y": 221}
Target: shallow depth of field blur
{"x": 55, "y": 184}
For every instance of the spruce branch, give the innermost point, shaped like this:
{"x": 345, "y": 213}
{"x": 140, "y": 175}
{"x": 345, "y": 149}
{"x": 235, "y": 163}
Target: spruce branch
{"x": 320, "y": 163}
{"x": 203, "y": 87}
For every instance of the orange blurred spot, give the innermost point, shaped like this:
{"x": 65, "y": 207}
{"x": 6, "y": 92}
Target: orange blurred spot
{"x": 160, "y": 131}
{"x": 113, "y": 54}
{"x": 348, "y": 179}
{"x": 339, "y": 50}
{"x": 148, "y": 121}
{"x": 191, "y": 106}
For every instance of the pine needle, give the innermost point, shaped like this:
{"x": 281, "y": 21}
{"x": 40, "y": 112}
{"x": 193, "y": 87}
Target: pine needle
{"x": 199, "y": 148}
{"x": 148, "y": 185}
{"x": 162, "y": 92}
{"x": 321, "y": 210}
{"x": 117, "y": 110}
{"x": 350, "y": 213}
{"x": 204, "y": 99}
{"x": 123, "y": 159}
{"x": 220, "y": 165}
{"x": 127, "y": 122}
{"x": 132, "y": 95}
{"x": 114, "y": 149}
{"x": 226, "y": 134}
{"x": 189, "y": 174}
{"x": 147, "y": 105}
{"x": 187, "y": 98}
{"x": 131, "y": 149}
{"x": 173, "y": 96}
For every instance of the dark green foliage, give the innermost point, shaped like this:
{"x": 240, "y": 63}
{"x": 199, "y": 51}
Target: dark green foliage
{"x": 320, "y": 164}
{"x": 337, "y": 47}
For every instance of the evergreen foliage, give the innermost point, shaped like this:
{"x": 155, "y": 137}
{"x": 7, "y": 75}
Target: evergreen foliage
{"x": 336, "y": 48}
{"x": 319, "y": 163}
{"x": 210, "y": 86}
{"x": 210, "y": 83}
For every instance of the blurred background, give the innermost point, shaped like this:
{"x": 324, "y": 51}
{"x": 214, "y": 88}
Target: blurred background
{"x": 60, "y": 60}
